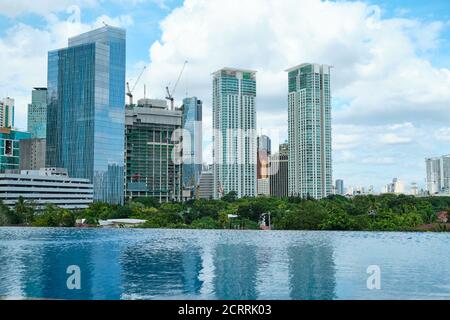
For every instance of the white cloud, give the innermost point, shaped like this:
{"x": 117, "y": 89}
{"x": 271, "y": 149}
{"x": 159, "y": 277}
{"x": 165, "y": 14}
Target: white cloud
{"x": 392, "y": 138}
{"x": 393, "y": 93}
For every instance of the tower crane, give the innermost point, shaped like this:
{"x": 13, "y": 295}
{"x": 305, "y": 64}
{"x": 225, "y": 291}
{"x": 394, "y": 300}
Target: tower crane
{"x": 130, "y": 92}
{"x": 170, "y": 93}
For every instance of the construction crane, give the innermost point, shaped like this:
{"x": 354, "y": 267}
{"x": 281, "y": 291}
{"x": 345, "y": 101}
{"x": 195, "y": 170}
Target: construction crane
{"x": 130, "y": 92}
{"x": 170, "y": 93}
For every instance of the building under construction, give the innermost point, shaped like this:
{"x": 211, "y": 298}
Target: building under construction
{"x": 150, "y": 146}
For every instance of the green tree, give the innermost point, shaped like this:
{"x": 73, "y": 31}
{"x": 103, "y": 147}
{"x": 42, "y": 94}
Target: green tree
{"x": 230, "y": 197}
{"x": 307, "y": 215}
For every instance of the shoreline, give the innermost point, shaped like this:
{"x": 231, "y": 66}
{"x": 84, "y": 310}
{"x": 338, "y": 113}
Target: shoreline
{"x": 421, "y": 229}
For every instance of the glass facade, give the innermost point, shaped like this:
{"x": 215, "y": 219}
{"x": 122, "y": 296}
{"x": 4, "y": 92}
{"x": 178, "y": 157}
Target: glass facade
{"x": 192, "y": 144}
{"x": 9, "y": 148}
{"x": 37, "y": 113}
{"x": 86, "y": 110}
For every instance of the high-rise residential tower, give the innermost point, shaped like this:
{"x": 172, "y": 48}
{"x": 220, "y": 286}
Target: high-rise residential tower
{"x": 234, "y": 136}
{"x": 438, "y": 174}
{"x": 192, "y": 144}
{"x": 309, "y": 114}
{"x": 445, "y": 169}
{"x": 86, "y": 114}
{"x": 7, "y": 113}
{"x": 37, "y": 113}
{"x": 433, "y": 167}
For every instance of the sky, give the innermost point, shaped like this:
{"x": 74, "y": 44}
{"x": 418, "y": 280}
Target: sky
{"x": 390, "y": 58}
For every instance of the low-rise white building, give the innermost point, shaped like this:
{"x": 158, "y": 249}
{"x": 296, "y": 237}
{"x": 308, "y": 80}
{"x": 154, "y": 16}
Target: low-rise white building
{"x": 46, "y": 186}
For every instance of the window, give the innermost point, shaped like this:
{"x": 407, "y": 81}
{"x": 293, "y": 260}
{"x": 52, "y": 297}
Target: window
{"x": 9, "y": 148}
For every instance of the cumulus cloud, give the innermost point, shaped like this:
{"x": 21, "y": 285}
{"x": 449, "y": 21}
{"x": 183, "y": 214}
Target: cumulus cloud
{"x": 379, "y": 69}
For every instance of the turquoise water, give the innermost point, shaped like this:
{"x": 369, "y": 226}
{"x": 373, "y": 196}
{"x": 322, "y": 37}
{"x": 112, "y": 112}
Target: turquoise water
{"x": 202, "y": 264}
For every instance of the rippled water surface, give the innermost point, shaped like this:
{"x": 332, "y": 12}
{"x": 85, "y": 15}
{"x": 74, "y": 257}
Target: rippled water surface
{"x": 202, "y": 264}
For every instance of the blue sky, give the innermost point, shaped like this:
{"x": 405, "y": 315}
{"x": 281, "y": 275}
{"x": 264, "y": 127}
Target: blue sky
{"x": 391, "y": 75}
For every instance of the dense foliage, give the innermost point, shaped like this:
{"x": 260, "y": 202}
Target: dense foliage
{"x": 386, "y": 212}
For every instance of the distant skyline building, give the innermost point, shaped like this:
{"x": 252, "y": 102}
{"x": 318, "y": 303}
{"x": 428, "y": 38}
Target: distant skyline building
{"x": 37, "y": 113}
{"x": 10, "y": 149}
{"x": 7, "y": 113}
{"x": 85, "y": 119}
{"x": 234, "y": 132}
{"x": 309, "y": 122}
{"x": 433, "y": 180}
{"x": 32, "y": 154}
{"x": 205, "y": 186}
{"x": 150, "y": 167}
{"x": 192, "y": 144}
{"x": 438, "y": 174}
{"x": 278, "y": 170}
{"x": 264, "y": 151}
{"x": 340, "y": 187}
{"x": 445, "y": 169}
{"x": 263, "y": 186}
{"x": 264, "y": 143}
{"x": 396, "y": 186}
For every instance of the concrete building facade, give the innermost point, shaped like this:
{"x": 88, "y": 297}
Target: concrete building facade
{"x": 46, "y": 186}
{"x": 153, "y": 151}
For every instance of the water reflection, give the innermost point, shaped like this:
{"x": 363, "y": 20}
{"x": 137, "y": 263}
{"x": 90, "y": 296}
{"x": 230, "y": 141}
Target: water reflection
{"x": 151, "y": 272}
{"x": 235, "y": 272}
{"x": 183, "y": 264}
{"x": 312, "y": 272}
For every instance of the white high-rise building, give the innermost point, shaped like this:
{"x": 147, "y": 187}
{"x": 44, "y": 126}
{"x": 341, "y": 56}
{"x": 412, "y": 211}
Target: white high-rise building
{"x": 7, "y": 113}
{"x": 396, "y": 186}
{"x": 309, "y": 99}
{"x": 234, "y": 132}
{"x": 433, "y": 175}
{"x": 438, "y": 174}
{"x": 445, "y": 169}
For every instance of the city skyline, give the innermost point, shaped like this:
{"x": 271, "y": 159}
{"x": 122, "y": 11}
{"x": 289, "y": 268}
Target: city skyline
{"x": 376, "y": 137}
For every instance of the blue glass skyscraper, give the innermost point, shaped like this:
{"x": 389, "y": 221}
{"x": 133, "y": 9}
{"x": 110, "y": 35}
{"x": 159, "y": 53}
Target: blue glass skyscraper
{"x": 192, "y": 147}
{"x": 86, "y": 113}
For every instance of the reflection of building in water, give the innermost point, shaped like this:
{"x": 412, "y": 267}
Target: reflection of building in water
{"x": 106, "y": 271}
{"x": 150, "y": 272}
{"x": 312, "y": 272}
{"x": 53, "y": 273}
{"x": 11, "y": 273}
{"x": 235, "y": 272}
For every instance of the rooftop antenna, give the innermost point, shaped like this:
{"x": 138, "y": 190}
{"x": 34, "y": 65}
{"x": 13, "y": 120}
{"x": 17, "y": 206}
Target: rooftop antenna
{"x": 145, "y": 91}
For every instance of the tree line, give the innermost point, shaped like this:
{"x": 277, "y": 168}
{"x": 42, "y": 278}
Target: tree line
{"x": 387, "y": 212}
